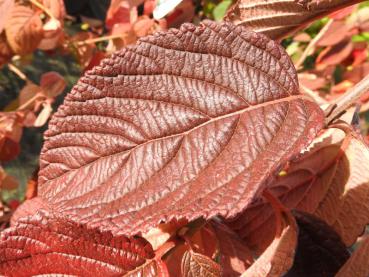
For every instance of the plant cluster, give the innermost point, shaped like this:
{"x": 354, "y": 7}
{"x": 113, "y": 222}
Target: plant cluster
{"x": 208, "y": 149}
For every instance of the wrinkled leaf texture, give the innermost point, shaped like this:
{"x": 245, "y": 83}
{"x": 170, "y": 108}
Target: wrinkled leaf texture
{"x": 187, "y": 123}
{"x": 330, "y": 180}
{"x": 278, "y": 18}
{"x": 46, "y": 244}
{"x": 196, "y": 264}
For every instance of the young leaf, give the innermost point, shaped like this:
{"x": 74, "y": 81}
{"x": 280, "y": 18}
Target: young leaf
{"x": 187, "y": 123}
{"x": 278, "y": 18}
{"x": 278, "y": 257}
{"x": 24, "y": 30}
{"x": 45, "y": 244}
{"x": 195, "y": 264}
{"x": 320, "y": 251}
{"x": 28, "y": 208}
{"x": 358, "y": 264}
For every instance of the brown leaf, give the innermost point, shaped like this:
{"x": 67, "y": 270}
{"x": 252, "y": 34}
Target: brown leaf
{"x": 195, "y": 264}
{"x": 345, "y": 206}
{"x": 235, "y": 256}
{"x": 6, "y": 7}
{"x": 10, "y": 134}
{"x": 320, "y": 251}
{"x": 334, "y": 55}
{"x": 53, "y": 28}
{"x": 157, "y": 236}
{"x": 83, "y": 52}
{"x": 52, "y": 84}
{"x": 24, "y": 30}
{"x": 358, "y": 264}
{"x": 133, "y": 122}
{"x": 336, "y": 32}
{"x": 278, "y": 18}
{"x": 329, "y": 180}
{"x": 278, "y": 258}
{"x": 6, "y": 52}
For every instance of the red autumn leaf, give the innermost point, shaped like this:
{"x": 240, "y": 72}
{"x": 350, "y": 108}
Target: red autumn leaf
{"x": 320, "y": 251}
{"x": 342, "y": 13}
{"x": 334, "y": 55}
{"x": 235, "y": 256}
{"x": 329, "y": 180}
{"x": 278, "y": 18}
{"x": 45, "y": 244}
{"x": 10, "y": 134}
{"x": 52, "y": 84}
{"x": 83, "y": 51}
{"x": 358, "y": 264}
{"x": 210, "y": 119}
{"x": 24, "y": 30}
{"x": 6, "y": 6}
{"x": 28, "y": 208}
{"x": 278, "y": 258}
{"x": 336, "y": 32}
{"x": 53, "y": 28}
{"x": 195, "y": 264}
{"x": 122, "y": 11}
{"x": 6, "y": 52}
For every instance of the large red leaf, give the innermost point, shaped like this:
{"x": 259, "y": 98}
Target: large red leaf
{"x": 45, "y": 244}
{"x": 278, "y": 18}
{"x": 187, "y": 123}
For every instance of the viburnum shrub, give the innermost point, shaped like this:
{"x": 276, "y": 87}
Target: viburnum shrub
{"x": 194, "y": 153}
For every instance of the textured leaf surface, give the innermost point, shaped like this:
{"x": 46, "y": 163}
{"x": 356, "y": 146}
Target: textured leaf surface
{"x": 330, "y": 180}
{"x": 358, "y": 264}
{"x": 195, "y": 264}
{"x": 24, "y": 30}
{"x": 278, "y": 18}
{"x": 277, "y": 259}
{"x": 320, "y": 251}
{"x": 44, "y": 244}
{"x": 186, "y": 123}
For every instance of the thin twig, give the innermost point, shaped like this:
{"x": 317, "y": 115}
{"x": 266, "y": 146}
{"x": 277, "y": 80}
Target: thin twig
{"x": 312, "y": 44}
{"x": 340, "y": 105}
{"x": 29, "y": 102}
{"x": 43, "y": 8}
{"x": 18, "y": 72}
{"x": 94, "y": 40}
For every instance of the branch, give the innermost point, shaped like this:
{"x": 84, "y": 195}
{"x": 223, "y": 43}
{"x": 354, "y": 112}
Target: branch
{"x": 311, "y": 46}
{"x": 43, "y": 8}
{"x": 18, "y": 72}
{"x": 338, "y": 107}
